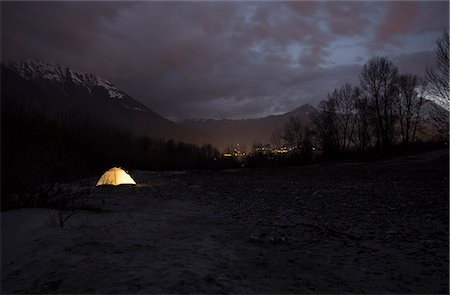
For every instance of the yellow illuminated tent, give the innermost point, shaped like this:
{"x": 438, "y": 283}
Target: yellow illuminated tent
{"x": 115, "y": 176}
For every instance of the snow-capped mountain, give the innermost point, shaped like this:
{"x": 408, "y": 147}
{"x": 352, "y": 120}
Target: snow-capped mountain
{"x": 31, "y": 70}
{"x": 38, "y": 70}
{"x": 62, "y": 91}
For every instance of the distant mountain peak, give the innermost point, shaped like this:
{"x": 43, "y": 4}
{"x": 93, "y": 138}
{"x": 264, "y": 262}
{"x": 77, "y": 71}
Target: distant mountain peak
{"x": 304, "y": 108}
{"x": 31, "y": 70}
{"x": 246, "y": 131}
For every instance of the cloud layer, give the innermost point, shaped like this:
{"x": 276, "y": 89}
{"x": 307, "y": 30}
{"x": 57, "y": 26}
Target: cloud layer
{"x": 224, "y": 59}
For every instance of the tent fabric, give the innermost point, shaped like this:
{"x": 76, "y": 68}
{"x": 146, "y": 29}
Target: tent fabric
{"x": 115, "y": 176}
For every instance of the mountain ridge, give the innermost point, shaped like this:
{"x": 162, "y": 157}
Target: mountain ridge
{"x": 246, "y": 131}
{"x": 62, "y": 89}
{"x": 290, "y": 113}
{"x": 59, "y": 89}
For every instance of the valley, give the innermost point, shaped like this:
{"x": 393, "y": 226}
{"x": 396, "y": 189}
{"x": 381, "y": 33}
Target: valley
{"x": 378, "y": 227}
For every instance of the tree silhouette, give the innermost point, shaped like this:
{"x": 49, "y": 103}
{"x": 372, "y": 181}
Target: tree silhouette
{"x": 408, "y": 106}
{"x": 378, "y": 81}
{"x": 439, "y": 88}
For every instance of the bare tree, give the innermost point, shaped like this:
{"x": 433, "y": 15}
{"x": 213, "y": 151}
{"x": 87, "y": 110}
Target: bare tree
{"x": 439, "y": 88}
{"x": 277, "y": 138}
{"x": 326, "y": 129}
{"x": 298, "y": 134}
{"x": 408, "y": 105}
{"x": 378, "y": 81}
{"x": 438, "y": 78}
{"x": 338, "y": 124}
{"x": 362, "y": 136}
{"x": 341, "y": 106}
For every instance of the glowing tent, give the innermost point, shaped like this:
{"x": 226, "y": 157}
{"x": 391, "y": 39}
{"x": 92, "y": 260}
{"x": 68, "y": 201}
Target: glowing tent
{"x": 115, "y": 176}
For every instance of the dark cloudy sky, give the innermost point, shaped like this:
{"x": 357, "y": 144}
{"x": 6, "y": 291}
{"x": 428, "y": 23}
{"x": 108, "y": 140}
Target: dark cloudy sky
{"x": 217, "y": 59}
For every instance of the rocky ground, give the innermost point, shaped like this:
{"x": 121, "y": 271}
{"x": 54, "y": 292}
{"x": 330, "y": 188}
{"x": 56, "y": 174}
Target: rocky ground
{"x": 330, "y": 228}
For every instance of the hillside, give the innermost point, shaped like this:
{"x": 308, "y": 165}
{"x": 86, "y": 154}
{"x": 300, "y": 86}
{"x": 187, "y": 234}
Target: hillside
{"x": 62, "y": 92}
{"x": 246, "y": 131}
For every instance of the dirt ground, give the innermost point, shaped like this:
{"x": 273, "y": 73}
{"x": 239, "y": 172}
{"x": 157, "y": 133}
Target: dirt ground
{"x": 329, "y": 228}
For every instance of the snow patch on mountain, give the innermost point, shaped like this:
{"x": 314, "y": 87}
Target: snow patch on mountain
{"x": 38, "y": 70}
{"x": 112, "y": 91}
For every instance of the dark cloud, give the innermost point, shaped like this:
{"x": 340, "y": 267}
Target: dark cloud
{"x": 433, "y": 16}
{"x": 303, "y": 8}
{"x": 222, "y": 59}
{"x": 415, "y": 62}
{"x": 347, "y": 18}
{"x": 41, "y": 29}
{"x": 400, "y": 19}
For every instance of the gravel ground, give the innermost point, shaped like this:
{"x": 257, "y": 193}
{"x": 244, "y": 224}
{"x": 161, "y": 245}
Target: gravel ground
{"x": 330, "y": 228}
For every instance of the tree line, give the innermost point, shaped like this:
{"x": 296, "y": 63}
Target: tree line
{"x": 38, "y": 150}
{"x": 383, "y": 111}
